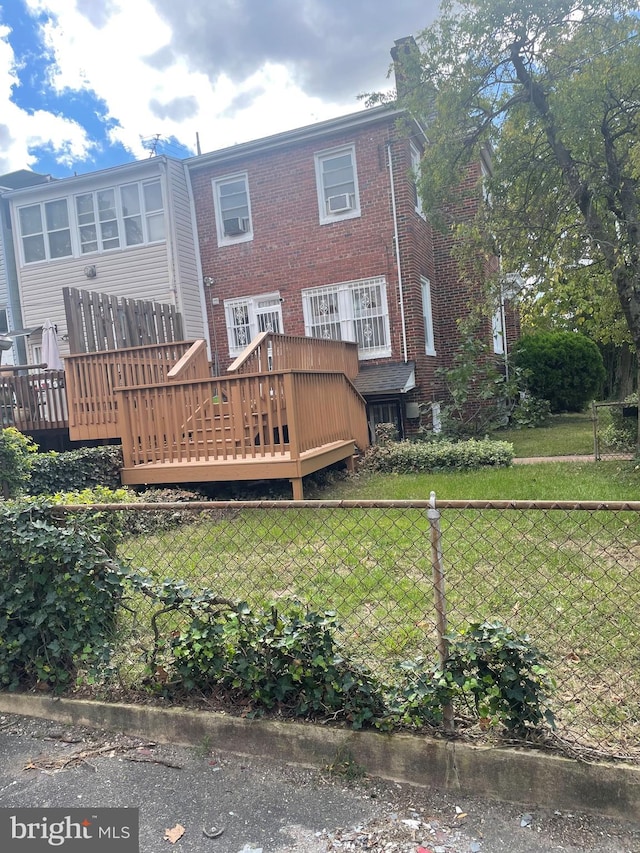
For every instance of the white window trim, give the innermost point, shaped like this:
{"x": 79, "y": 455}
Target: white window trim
{"x": 45, "y": 231}
{"x": 253, "y": 305}
{"x": 416, "y": 157}
{"x": 427, "y": 315}
{"x": 319, "y": 158}
{"x": 346, "y": 319}
{"x": 228, "y": 239}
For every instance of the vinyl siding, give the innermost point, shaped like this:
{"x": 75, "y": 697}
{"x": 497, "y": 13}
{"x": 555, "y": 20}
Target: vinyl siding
{"x": 136, "y": 273}
{"x": 185, "y": 262}
{"x": 162, "y": 272}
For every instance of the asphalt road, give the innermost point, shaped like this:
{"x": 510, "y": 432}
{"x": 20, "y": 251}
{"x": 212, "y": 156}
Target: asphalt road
{"x": 217, "y": 802}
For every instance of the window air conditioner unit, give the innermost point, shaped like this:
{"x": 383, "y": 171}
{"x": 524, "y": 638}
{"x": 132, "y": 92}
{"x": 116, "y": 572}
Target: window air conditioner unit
{"x": 339, "y": 203}
{"x": 234, "y": 226}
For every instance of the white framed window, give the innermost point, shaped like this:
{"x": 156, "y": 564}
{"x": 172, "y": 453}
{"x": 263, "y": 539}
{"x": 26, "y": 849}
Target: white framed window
{"x": 350, "y": 311}
{"x": 427, "y": 315}
{"x": 337, "y": 184}
{"x": 233, "y": 209}
{"x": 96, "y": 221}
{"x": 416, "y": 159}
{"x": 246, "y": 318}
{"x": 45, "y": 231}
{"x": 111, "y": 218}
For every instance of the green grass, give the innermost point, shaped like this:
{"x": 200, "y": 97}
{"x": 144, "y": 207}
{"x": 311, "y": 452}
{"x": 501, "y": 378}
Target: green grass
{"x": 571, "y": 481}
{"x": 569, "y": 579}
{"x": 566, "y": 435}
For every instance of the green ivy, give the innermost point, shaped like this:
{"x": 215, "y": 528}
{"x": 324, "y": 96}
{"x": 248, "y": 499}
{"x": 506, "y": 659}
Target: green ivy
{"x": 59, "y": 594}
{"x": 17, "y": 454}
{"x": 503, "y": 673}
{"x": 76, "y": 470}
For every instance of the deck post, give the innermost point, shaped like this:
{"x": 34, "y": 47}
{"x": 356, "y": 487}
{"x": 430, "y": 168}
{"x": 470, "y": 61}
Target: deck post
{"x": 298, "y": 491}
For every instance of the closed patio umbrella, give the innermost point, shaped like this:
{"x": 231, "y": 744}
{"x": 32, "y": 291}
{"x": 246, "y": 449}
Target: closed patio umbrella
{"x": 50, "y": 351}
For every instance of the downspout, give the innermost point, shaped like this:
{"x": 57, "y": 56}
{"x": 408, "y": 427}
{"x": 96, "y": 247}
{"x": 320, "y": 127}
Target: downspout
{"x": 398, "y": 264}
{"x": 171, "y": 259}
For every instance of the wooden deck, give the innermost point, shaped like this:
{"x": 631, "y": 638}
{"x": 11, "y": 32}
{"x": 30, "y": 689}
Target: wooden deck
{"x": 283, "y": 424}
{"x": 286, "y": 408}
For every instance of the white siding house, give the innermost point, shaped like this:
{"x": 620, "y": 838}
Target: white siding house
{"x": 126, "y": 231}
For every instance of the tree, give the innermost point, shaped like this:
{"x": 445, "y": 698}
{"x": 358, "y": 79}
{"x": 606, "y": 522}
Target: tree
{"x": 552, "y": 88}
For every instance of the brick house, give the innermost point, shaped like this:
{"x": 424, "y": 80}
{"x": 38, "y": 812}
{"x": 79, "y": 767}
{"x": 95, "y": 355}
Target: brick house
{"x": 318, "y": 231}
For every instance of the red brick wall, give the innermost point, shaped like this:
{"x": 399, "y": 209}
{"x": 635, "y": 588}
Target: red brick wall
{"x": 291, "y": 250}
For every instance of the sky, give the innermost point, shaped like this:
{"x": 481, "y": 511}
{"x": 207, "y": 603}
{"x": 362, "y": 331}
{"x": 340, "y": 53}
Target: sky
{"x": 88, "y": 84}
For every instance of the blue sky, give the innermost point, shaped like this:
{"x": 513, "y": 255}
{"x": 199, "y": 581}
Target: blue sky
{"x": 88, "y": 84}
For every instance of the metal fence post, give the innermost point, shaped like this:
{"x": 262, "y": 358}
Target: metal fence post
{"x": 594, "y": 419}
{"x": 440, "y": 601}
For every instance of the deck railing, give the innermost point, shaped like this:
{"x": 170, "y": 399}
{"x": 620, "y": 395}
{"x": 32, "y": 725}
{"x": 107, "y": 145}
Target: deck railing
{"x": 93, "y": 379}
{"x": 254, "y": 416}
{"x": 34, "y": 400}
{"x": 270, "y": 351}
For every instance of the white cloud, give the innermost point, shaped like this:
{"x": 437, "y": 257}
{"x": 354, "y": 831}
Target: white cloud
{"x": 225, "y": 71}
{"x": 21, "y": 131}
{"x": 112, "y": 61}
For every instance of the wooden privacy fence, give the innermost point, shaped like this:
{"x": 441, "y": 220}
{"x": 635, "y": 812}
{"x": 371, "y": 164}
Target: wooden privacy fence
{"x": 98, "y": 321}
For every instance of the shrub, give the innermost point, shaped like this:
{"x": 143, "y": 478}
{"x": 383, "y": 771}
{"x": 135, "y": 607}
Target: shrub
{"x": 565, "y": 368}
{"x": 17, "y": 453}
{"x": 76, "y": 470}
{"x": 530, "y": 412}
{"x": 58, "y": 597}
{"x": 404, "y": 457}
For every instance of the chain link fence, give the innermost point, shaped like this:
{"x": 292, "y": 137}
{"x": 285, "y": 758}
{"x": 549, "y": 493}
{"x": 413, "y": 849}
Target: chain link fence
{"x": 401, "y": 575}
{"x": 615, "y": 430}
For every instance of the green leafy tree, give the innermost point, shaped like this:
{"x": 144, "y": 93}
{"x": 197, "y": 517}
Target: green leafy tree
{"x": 564, "y": 368}
{"x": 552, "y": 88}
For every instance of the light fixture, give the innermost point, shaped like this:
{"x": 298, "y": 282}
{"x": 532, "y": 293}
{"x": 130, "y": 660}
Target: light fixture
{"x": 208, "y": 281}
{"x": 90, "y": 271}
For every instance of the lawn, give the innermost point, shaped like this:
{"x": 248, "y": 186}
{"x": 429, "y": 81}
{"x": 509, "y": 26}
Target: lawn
{"x": 571, "y": 481}
{"x": 566, "y": 578}
{"x": 566, "y": 435}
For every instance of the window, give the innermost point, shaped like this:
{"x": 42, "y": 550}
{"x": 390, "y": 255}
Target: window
{"x": 246, "y": 318}
{"x": 45, "y": 231}
{"x": 337, "y": 185}
{"x": 233, "y": 210}
{"x": 350, "y": 311}
{"x": 4, "y": 321}
{"x": 106, "y": 219}
{"x": 416, "y": 158}
{"x": 429, "y": 343}
{"x": 110, "y": 219}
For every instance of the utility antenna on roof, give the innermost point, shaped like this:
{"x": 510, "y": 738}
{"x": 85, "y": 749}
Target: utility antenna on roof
{"x": 152, "y": 144}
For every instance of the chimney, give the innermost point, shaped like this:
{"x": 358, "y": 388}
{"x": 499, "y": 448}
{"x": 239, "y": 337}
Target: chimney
{"x": 406, "y": 65}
